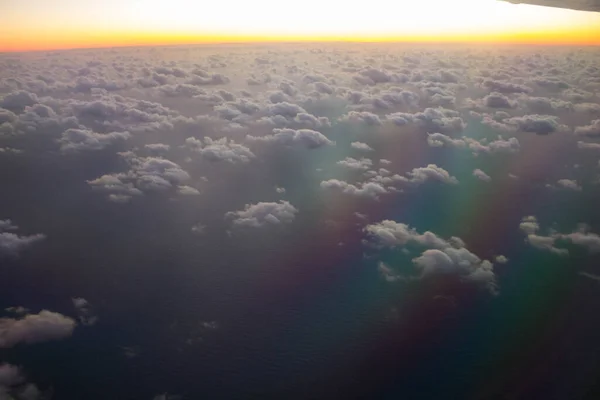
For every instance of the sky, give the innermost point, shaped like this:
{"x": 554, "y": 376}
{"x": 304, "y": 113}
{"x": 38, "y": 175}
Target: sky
{"x": 38, "y": 24}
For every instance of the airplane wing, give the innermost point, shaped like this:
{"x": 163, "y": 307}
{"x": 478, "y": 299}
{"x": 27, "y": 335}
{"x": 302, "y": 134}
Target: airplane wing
{"x": 583, "y": 5}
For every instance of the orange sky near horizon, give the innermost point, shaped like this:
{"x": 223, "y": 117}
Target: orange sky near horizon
{"x": 65, "y": 24}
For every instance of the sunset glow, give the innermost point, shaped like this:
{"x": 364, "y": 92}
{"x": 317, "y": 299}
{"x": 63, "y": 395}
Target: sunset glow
{"x": 36, "y": 24}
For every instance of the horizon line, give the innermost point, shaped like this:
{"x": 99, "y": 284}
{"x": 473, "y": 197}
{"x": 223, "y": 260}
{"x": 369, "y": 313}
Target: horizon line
{"x": 310, "y": 41}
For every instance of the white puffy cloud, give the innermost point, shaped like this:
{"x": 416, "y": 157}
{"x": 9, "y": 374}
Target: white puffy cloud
{"x": 187, "y": 190}
{"x": 303, "y": 137}
{"x": 365, "y": 117}
{"x": 367, "y": 189}
{"x": 442, "y": 257}
{"x": 590, "y": 241}
{"x": 204, "y": 79}
{"x": 505, "y": 86}
{"x": 431, "y": 119}
{"x": 431, "y": 172}
{"x": 263, "y": 214}
{"x": 361, "y": 146}
{"x": 530, "y": 226}
{"x": 220, "y": 150}
{"x": 74, "y": 140}
{"x": 498, "y": 100}
{"x": 153, "y": 174}
{"x": 359, "y": 165}
{"x": 539, "y": 124}
{"x": 479, "y": 174}
{"x": 441, "y": 140}
{"x": 591, "y": 130}
{"x": 18, "y": 100}
{"x": 34, "y": 328}
{"x": 568, "y": 184}
{"x": 158, "y": 148}
{"x": 589, "y": 146}
{"x": 11, "y": 244}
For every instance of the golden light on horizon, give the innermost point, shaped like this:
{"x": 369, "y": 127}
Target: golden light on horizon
{"x": 37, "y": 24}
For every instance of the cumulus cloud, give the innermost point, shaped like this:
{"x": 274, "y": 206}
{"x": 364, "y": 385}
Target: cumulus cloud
{"x": 442, "y": 257}
{"x": 35, "y": 328}
{"x": 85, "y": 312}
{"x": 361, "y": 146}
{"x": 263, "y": 214}
{"x": 431, "y": 119}
{"x": 14, "y": 386}
{"x": 590, "y": 146}
{"x": 431, "y": 172}
{"x": 479, "y": 174}
{"x": 11, "y": 244}
{"x": 18, "y": 100}
{"x": 441, "y": 140}
{"x": 498, "y": 100}
{"x": 568, "y": 184}
{"x": 74, "y": 140}
{"x": 505, "y": 86}
{"x": 363, "y": 117}
{"x": 220, "y": 150}
{"x": 368, "y": 189}
{"x": 302, "y": 137}
{"x": 500, "y": 145}
{"x": 590, "y": 241}
{"x": 360, "y": 165}
{"x": 539, "y": 124}
{"x": 591, "y": 130}
{"x": 530, "y": 226}
{"x": 146, "y": 174}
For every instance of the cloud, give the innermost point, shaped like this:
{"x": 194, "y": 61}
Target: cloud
{"x": 75, "y": 140}
{"x": 180, "y": 90}
{"x": 442, "y": 257}
{"x": 432, "y": 119}
{"x": 359, "y": 165}
{"x": 11, "y": 244}
{"x": 35, "y": 328}
{"x": 18, "y": 100}
{"x": 501, "y": 259}
{"x": 187, "y": 190}
{"x": 431, "y": 172}
{"x": 204, "y": 79}
{"x": 498, "y": 100}
{"x": 505, "y": 86}
{"x": 361, "y": 146}
{"x": 368, "y": 189}
{"x": 13, "y": 385}
{"x": 85, "y": 312}
{"x": 590, "y": 146}
{"x": 482, "y": 175}
{"x": 158, "y": 148}
{"x": 441, "y": 140}
{"x": 363, "y": 117}
{"x": 530, "y": 226}
{"x": 146, "y": 174}
{"x": 545, "y": 105}
{"x": 303, "y": 137}
{"x": 590, "y": 241}
{"x": 263, "y": 214}
{"x": 592, "y": 130}
{"x": 568, "y": 184}
{"x": 590, "y": 276}
{"x": 220, "y": 150}
{"x": 509, "y": 146}
{"x": 539, "y": 124}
